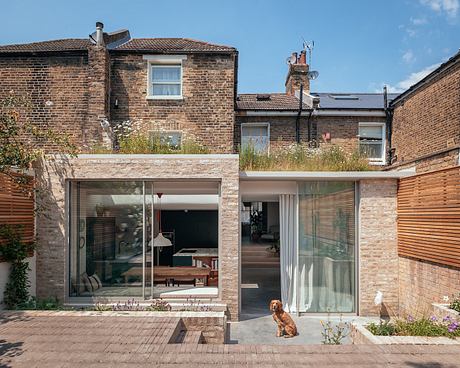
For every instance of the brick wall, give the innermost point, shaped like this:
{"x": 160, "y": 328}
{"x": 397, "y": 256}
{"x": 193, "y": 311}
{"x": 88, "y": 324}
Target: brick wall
{"x": 343, "y": 130}
{"x": 62, "y": 80}
{"x": 207, "y": 111}
{"x": 422, "y": 283}
{"x": 433, "y": 162}
{"x": 427, "y": 121}
{"x": 378, "y": 253}
{"x": 52, "y": 232}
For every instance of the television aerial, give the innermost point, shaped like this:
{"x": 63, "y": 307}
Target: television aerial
{"x": 308, "y": 48}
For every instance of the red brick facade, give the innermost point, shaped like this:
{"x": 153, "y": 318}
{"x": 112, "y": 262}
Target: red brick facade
{"x": 206, "y": 113}
{"x": 75, "y": 93}
{"x": 57, "y": 89}
{"x": 343, "y": 131}
{"x": 426, "y": 123}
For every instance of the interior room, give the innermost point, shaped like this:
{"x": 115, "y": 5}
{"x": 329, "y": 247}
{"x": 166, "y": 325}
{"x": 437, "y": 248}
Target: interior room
{"x": 143, "y": 239}
{"x": 260, "y": 253}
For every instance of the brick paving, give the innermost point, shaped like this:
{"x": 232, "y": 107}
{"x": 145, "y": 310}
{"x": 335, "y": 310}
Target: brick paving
{"x": 127, "y": 341}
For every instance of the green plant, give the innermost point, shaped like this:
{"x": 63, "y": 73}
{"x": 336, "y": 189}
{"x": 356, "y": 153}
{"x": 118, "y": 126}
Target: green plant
{"x": 455, "y": 303}
{"x": 21, "y": 140}
{"x": 51, "y": 303}
{"x": 430, "y": 327}
{"x": 15, "y": 251}
{"x": 334, "y": 334}
{"x": 158, "y": 305}
{"x": 301, "y": 157}
{"x": 384, "y": 328}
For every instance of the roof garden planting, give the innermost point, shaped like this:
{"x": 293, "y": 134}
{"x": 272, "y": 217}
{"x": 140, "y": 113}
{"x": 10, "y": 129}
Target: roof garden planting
{"x": 301, "y": 157}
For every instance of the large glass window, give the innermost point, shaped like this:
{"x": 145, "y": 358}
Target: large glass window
{"x": 144, "y": 239}
{"x": 326, "y": 247}
{"x": 107, "y": 238}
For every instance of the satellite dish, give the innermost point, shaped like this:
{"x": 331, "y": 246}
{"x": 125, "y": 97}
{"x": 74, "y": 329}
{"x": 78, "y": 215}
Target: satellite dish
{"x": 312, "y": 75}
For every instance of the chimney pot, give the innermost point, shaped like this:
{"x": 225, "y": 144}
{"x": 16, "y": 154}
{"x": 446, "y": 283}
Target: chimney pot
{"x": 303, "y": 58}
{"x": 99, "y": 34}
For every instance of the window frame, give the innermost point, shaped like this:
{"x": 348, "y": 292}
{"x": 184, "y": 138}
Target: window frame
{"x": 381, "y": 160}
{"x": 259, "y": 124}
{"x": 164, "y": 61}
{"x": 162, "y": 132}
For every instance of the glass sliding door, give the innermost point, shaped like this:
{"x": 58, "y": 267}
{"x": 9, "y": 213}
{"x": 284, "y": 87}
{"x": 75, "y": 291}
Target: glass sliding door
{"x": 327, "y": 247}
{"x": 107, "y": 230}
{"x": 143, "y": 239}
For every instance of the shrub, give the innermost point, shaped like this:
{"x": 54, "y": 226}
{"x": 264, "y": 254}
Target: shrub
{"x": 300, "y": 157}
{"x": 384, "y": 328}
{"x": 15, "y": 252}
{"x": 51, "y": 303}
{"x": 431, "y": 327}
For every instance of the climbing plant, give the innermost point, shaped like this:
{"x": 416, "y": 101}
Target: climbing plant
{"x": 14, "y": 251}
{"x": 22, "y": 140}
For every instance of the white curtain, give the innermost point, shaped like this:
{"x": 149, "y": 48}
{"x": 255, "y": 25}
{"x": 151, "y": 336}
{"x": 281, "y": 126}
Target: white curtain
{"x": 288, "y": 250}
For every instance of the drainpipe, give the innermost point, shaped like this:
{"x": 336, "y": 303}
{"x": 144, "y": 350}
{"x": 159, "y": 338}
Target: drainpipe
{"x": 309, "y": 125}
{"x": 389, "y": 123}
{"x": 297, "y": 120}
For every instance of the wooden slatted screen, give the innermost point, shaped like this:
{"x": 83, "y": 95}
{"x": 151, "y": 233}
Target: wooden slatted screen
{"x": 429, "y": 216}
{"x": 17, "y": 203}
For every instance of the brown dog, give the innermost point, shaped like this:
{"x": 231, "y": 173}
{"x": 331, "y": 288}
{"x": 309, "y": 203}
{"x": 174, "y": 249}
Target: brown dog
{"x": 286, "y": 326}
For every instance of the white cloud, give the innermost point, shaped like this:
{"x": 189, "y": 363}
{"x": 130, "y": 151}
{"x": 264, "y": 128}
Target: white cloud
{"x": 413, "y": 78}
{"x": 408, "y": 57}
{"x": 450, "y": 7}
{"x": 418, "y": 21}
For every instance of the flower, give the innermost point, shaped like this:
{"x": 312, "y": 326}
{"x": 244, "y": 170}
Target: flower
{"x": 433, "y": 318}
{"x": 410, "y": 318}
{"x": 446, "y": 319}
{"x": 452, "y": 327}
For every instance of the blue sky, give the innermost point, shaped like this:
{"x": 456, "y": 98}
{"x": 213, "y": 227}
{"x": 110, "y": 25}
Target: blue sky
{"x": 359, "y": 45}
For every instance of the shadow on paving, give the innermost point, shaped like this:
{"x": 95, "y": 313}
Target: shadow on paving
{"x": 9, "y": 350}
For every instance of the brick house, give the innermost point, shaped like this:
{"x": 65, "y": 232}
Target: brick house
{"x": 426, "y": 123}
{"x": 194, "y": 226}
{"x": 348, "y": 120}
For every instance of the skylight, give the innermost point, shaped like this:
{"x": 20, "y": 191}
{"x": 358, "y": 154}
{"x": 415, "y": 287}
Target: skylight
{"x": 344, "y": 96}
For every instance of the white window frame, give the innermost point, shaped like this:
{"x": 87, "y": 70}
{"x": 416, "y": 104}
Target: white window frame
{"x": 164, "y": 61}
{"x": 381, "y": 160}
{"x": 264, "y": 124}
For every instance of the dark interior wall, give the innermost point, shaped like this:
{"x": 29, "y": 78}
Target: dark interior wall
{"x": 193, "y": 229}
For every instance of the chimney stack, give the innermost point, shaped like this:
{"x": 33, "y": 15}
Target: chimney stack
{"x": 99, "y": 34}
{"x": 297, "y": 73}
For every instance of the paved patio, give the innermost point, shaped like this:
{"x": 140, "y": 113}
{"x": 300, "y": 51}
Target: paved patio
{"x": 128, "y": 341}
{"x": 261, "y": 329}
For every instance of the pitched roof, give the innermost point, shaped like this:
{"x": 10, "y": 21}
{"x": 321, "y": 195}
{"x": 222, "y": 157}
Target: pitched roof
{"x": 368, "y": 101}
{"x": 171, "y": 45}
{"x": 275, "y": 101}
{"x": 159, "y": 45}
{"x": 285, "y": 102}
{"x": 68, "y": 44}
